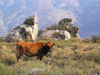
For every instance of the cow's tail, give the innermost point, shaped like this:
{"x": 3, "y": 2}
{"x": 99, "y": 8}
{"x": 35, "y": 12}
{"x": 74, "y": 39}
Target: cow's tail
{"x": 18, "y": 55}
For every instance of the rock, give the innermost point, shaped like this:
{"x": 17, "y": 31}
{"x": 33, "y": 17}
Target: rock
{"x": 40, "y": 32}
{"x": 65, "y": 35}
{"x": 68, "y": 23}
{"x": 72, "y": 28}
{"x": 28, "y": 30}
{"x": 31, "y": 20}
{"x": 48, "y": 33}
{"x": 65, "y": 21}
{"x": 52, "y": 33}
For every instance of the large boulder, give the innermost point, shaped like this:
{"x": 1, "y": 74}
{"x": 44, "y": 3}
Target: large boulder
{"x": 68, "y": 23}
{"x": 55, "y": 34}
{"x": 65, "y": 35}
{"x": 28, "y": 30}
{"x": 48, "y": 33}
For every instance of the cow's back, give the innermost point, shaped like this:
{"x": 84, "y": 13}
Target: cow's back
{"x": 35, "y": 48}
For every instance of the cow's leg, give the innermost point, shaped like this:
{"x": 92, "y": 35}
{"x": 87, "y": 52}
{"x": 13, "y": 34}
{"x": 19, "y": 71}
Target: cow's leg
{"x": 37, "y": 57}
{"x": 18, "y": 59}
{"x": 21, "y": 60}
{"x": 40, "y": 57}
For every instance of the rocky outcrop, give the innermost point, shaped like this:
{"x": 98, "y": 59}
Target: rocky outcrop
{"x": 68, "y": 23}
{"x": 28, "y": 30}
{"x": 66, "y": 27}
{"x": 55, "y": 34}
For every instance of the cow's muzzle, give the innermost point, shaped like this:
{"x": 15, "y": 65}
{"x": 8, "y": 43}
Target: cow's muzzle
{"x": 50, "y": 50}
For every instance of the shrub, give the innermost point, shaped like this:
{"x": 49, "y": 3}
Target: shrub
{"x": 56, "y": 34}
{"x": 0, "y": 54}
{"x": 12, "y": 40}
{"x": 77, "y": 46}
{"x": 78, "y": 55}
{"x": 8, "y": 59}
{"x": 1, "y": 39}
{"x": 98, "y": 41}
{"x": 52, "y": 27}
{"x": 28, "y": 40}
{"x": 45, "y": 38}
{"x": 55, "y": 27}
{"x": 95, "y": 39}
{"x": 86, "y": 40}
{"x": 93, "y": 56}
{"x": 15, "y": 40}
{"x": 4, "y": 70}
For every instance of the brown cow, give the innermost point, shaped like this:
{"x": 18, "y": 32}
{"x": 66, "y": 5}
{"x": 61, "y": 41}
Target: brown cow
{"x": 33, "y": 49}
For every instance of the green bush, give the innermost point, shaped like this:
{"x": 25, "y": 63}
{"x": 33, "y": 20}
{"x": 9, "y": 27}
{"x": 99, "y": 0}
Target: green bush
{"x": 12, "y": 40}
{"x": 52, "y": 27}
{"x": 93, "y": 56}
{"x": 4, "y": 70}
{"x": 86, "y": 40}
{"x": 0, "y": 54}
{"x": 7, "y": 61}
{"x": 28, "y": 40}
{"x": 56, "y": 34}
{"x": 15, "y": 40}
{"x": 95, "y": 39}
{"x": 1, "y": 39}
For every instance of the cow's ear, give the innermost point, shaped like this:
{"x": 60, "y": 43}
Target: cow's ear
{"x": 44, "y": 44}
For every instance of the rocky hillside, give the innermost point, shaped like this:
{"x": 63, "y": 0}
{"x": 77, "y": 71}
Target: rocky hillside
{"x": 85, "y": 14}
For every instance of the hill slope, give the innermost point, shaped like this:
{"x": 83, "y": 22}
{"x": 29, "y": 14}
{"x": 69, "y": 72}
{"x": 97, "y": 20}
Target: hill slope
{"x": 70, "y": 57}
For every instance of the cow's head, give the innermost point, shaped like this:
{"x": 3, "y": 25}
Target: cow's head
{"x": 48, "y": 47}
{"x": 50, "y": 44}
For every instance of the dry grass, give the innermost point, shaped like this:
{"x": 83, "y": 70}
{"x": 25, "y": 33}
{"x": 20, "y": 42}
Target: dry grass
{"x": 71, "y": 57}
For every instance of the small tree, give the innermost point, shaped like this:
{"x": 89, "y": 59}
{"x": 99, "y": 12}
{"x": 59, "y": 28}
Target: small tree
{"x": 52, "y": 27}
{"x": 95, "y": 38}
{"x": 1, "y": 39}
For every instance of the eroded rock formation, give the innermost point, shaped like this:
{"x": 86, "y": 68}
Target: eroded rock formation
{"x": 68, "y": 23}
{"x": 28, "y": 30}
{"x": 67, "y": 30}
